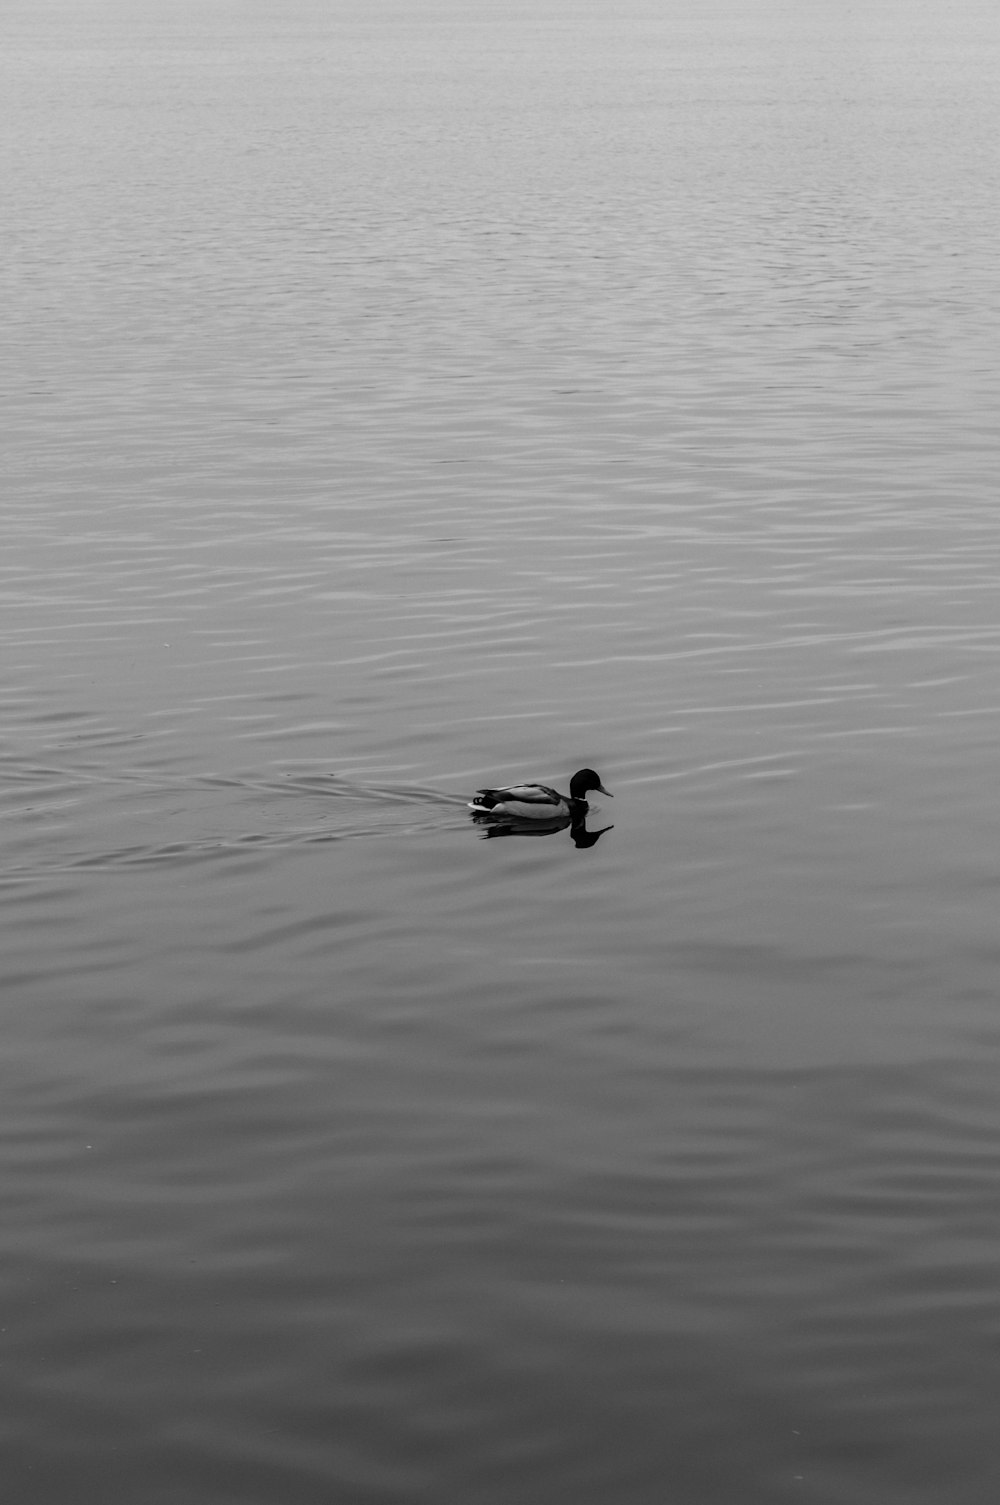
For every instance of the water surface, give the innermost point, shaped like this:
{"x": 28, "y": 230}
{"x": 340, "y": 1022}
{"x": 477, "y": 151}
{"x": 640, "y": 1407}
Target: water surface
{"x": 401, "y": 399}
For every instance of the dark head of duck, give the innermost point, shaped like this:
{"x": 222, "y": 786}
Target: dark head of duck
{"x": 583, "y": 782}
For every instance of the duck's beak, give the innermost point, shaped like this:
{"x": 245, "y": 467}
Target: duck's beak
{"x": 601, "y": 790}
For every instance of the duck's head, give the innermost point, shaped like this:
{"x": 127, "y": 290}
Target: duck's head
{"x": 583, "y": 782}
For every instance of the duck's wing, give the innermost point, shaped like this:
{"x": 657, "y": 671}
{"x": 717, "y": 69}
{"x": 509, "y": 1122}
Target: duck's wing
{"x": 529, "y": 800}
{"x": 530, "y": 794}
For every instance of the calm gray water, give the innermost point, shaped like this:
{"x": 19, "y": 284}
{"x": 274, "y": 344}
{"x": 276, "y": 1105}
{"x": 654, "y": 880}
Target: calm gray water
{"x": 404, "y": 397}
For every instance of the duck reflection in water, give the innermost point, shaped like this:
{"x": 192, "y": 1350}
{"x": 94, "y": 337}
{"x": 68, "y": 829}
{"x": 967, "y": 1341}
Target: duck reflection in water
{"x": 503, "y": 825}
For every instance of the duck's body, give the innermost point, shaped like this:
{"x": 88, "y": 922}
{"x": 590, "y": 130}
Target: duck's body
{"x": 539, "y": 801}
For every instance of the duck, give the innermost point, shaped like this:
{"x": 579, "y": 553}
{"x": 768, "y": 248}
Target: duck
{"x": 538, "y": 801}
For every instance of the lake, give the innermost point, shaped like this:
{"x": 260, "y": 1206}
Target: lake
{"x": 401, "y": 399}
